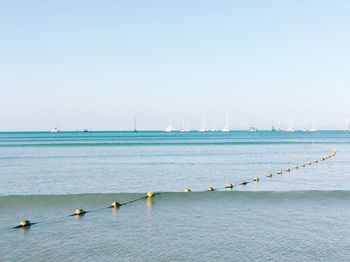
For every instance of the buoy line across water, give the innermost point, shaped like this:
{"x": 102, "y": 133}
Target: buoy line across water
{"x": 114, "y": 205}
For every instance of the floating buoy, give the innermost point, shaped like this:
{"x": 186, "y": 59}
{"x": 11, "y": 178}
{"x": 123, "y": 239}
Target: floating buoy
{"x": 269, "y": 175}
{"x": 296, "y": 167}
{"x": 210, "y": 188}
{"x": 79, "y": 212}
{"x": 303, "y": 165}
{"x": 150, "y": 194}
{"x": 309, "y": 163}
{"x": 24, "y": 223}
{"x": 187, "y": 189}
{"x": 256, "y": 179}
{"x": 279, "y": 173}
{"x": 229, "y": 186}
{"x": 115, "y": 205}
{"x": 243, "y": 182}
{"x": 287, "y": 169}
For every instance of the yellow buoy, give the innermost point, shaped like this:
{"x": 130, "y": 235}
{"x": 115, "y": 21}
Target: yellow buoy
{"x": 210, "y": 188}
{"x": 279, "y": 173}
{"x": 229, "y": 186}
{"x": 79, "y": 212}
{"x": 150, "y": 194}
{"x": 187, "y": 189}
{"x": 243, "y": 182}
{"x": 296, "y": 167}
{"x": 256, "y": 179}
{"x": 303, "y": 165}
{"x": 115, "y": 205}
{"x": 24, "y": 223}
{"x": 269, "y": 175}
{"x": 288, "y": 169}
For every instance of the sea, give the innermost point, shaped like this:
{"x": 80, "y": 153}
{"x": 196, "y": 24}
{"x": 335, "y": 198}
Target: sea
{"x": 301, "y": 215}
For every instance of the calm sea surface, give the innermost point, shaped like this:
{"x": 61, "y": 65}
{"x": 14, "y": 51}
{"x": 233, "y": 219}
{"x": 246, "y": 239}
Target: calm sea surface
{"x": 303, "y": 215}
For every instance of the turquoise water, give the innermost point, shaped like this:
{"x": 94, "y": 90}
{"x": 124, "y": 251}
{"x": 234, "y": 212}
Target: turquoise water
{"x": 302, "y": 215}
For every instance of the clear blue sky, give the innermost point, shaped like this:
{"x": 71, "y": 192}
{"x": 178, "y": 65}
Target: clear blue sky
{"x": 96, "y": 64}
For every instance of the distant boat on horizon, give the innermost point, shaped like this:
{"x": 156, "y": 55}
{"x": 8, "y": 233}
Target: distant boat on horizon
{"x": 135, "y": 128}
{"x": 183, "y": 129}
{"x": 169, "y": 128}
{"x": 252, "y": 127}
{"x": 348, "y": 128}
{"x": 291, "y": 126}
{"x": 204, "y": 126}
{"x": 313, "y": 127}
{"x": 226, "y": 127}
{"x": 273, "y": 127}
{"x": 55, "y": 130}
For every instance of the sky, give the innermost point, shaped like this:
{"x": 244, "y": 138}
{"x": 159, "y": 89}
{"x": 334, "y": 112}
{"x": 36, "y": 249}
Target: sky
{"x": 99, "y": 64}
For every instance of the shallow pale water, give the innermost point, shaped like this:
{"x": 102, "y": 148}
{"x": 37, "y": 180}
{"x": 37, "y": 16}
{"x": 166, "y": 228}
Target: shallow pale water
{"x": 301, "y": 215}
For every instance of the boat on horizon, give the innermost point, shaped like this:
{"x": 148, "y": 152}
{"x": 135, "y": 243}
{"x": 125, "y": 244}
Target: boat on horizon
{"x": 291, "y": 126}
{"x": 226, "y": 127}
{"x": 313, "y": 128}
{"x": 252, "y": 127}
{"x": 204, "y": 128}
{"x": 55, "y": 130}
{"x": 273, "y": 129}
{"x": 169, "y": 128}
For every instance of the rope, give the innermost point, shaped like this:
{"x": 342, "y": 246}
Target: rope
{"x": 81, "y": 212}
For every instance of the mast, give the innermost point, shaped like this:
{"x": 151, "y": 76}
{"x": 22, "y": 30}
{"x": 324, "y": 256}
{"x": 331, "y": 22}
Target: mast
{"x": 135, "y": 128}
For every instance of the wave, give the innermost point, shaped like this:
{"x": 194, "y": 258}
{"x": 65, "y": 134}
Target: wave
{"x": 112, "y": 144}
{"x": 107, "y": 198}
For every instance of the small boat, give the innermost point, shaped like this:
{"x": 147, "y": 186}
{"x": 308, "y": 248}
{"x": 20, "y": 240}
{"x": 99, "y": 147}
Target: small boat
{"x": 305, "y": 127}
{"x": 252, "y": 127}
{"x": 273, "y": 127}
{"x": 204, "y": 128}
{"x": 135, "y": 128}
{"x": 291, "y": 126}
{"x": 85, "y": 130}
{"x": 348, "y": 128}
{"x": 226, "y": 127}
{"x": 313, "y": 128}
{"x": 169, "y": 128}
{"x": 55, "y": 130}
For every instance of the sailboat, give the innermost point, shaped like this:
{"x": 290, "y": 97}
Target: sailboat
{"x": 204, "y": 128}
{"x": 273, "y": 127}
{"x": 169, "y": 128}
{"x": 313, "y": 128}
{"x": 183, "y": 129}
{"x": 291, "y": 126}
{"x": 226, "y": 127}
{"x": 135, "y": 129}
{"x": 55, "y": 130}
{"x": 252, "y": 127}
{"x": 214, "y": 127}
{"x": 305, "y": 126}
